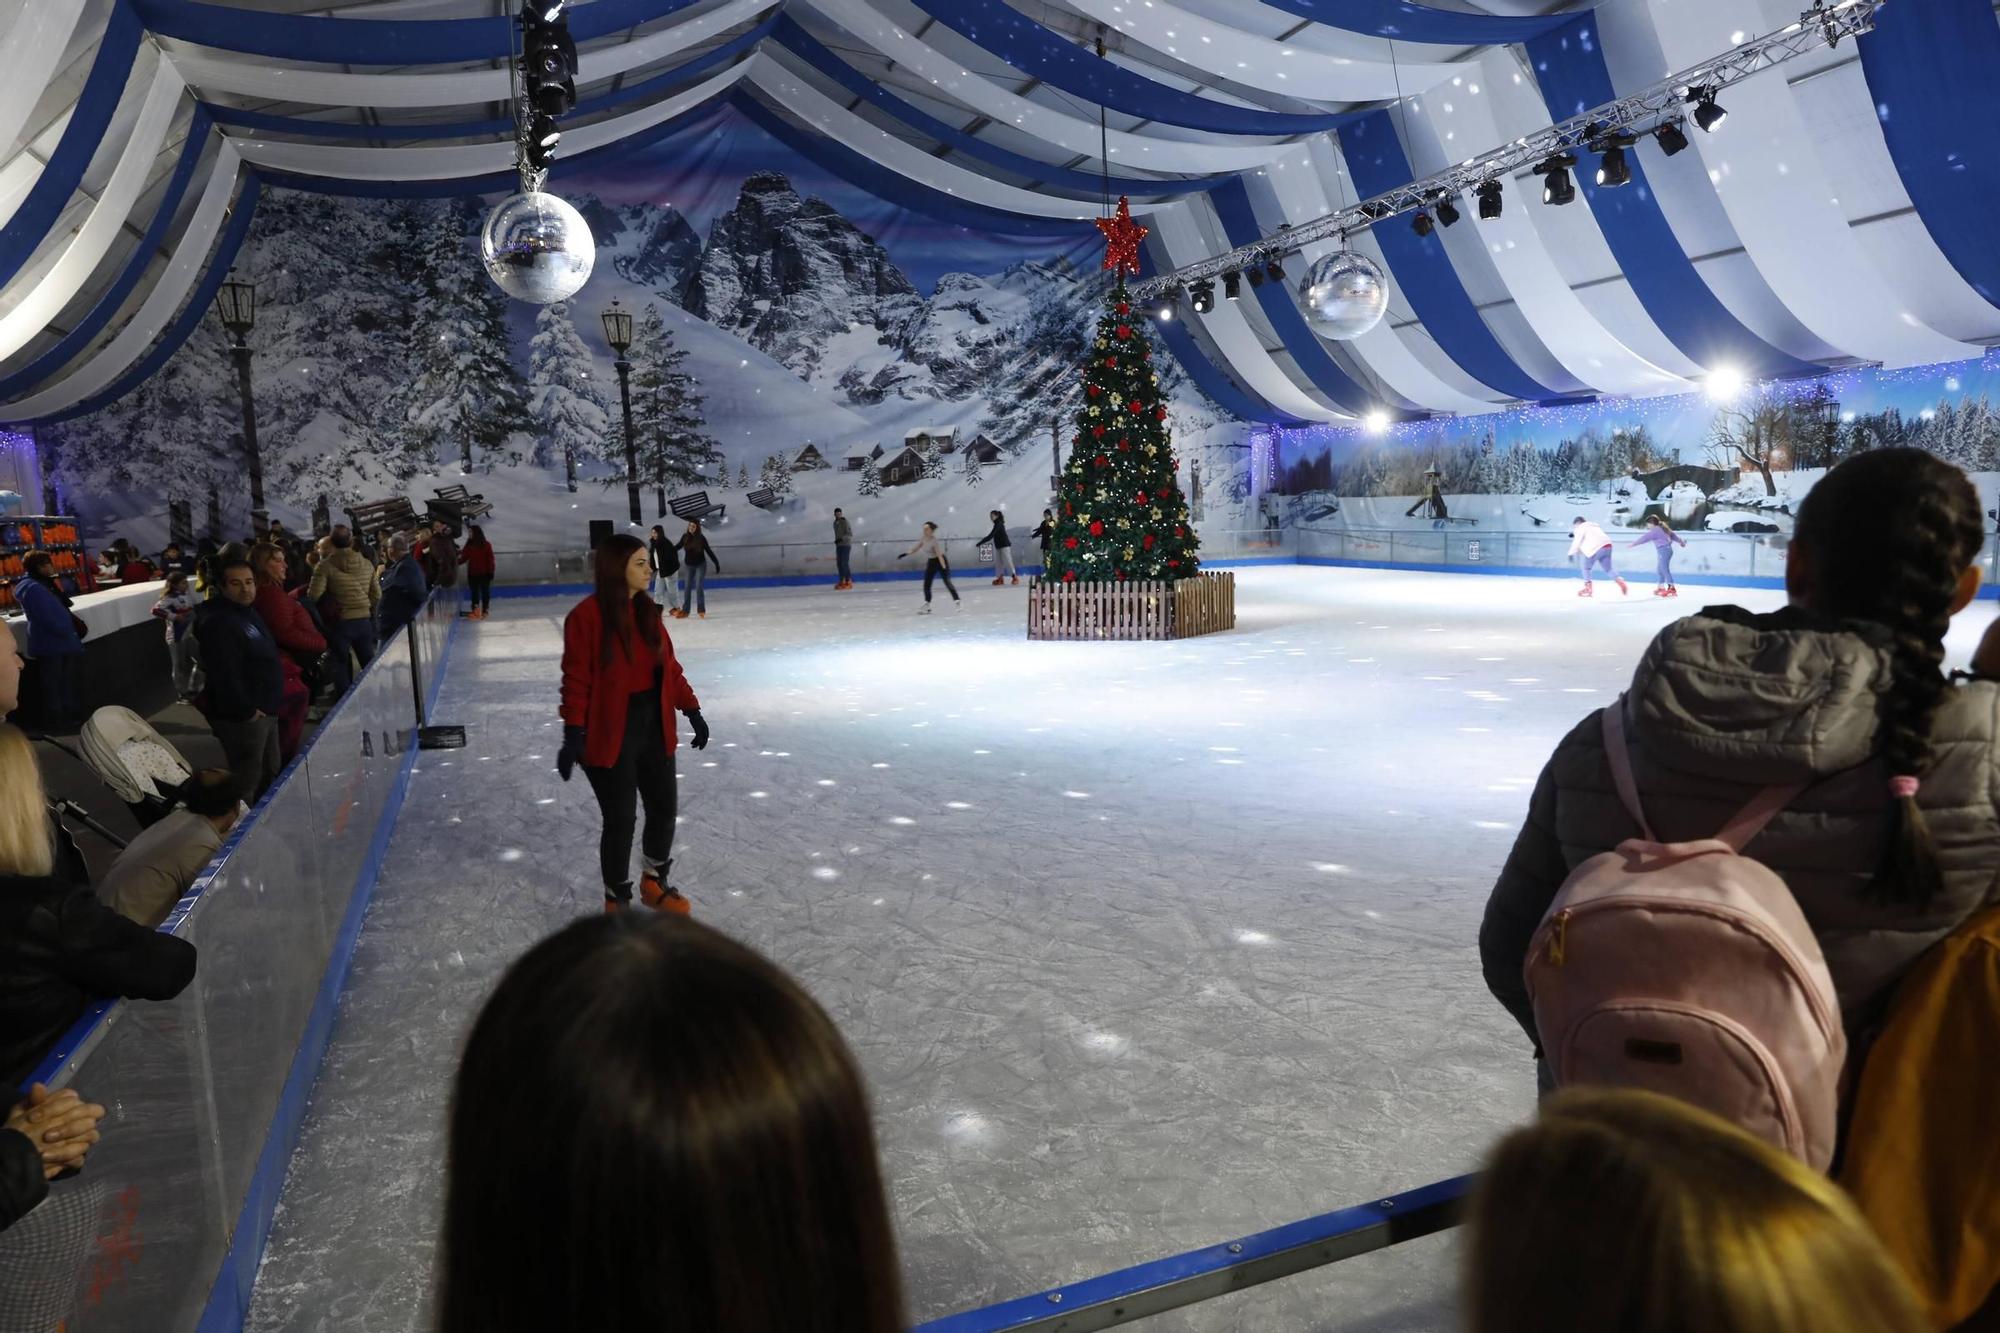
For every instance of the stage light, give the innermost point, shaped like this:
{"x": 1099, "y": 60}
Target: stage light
{"x": 1166, "y": 308}
{"x": 1421, "y": 224}
{"x": 1707, "y": 114}
{"x": 1612, "y": 168}
{"x": 1670, "y": 138}
{"x": 1723, "y": 383}
{"x": 1489, "y": 200}
{"x": 1256, "y": 273}
{"x": 1447, "y": 211}
{"x": 1232, "y": 285}
{"x": 542, "y": 131}
{"x": 553, "y": 99}
{"x": 1275, "y": 270}
{"x": 548, "y": 54}
{"x": 1557, "y": 186}
{"x": 550, "y": 10}
{"x": 1377, "y": 421}
{"x": 1202, "y": 297}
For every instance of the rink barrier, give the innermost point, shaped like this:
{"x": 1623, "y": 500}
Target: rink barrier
{"x": 1148, "y": 1289}
{"x": 209, "y": 1090}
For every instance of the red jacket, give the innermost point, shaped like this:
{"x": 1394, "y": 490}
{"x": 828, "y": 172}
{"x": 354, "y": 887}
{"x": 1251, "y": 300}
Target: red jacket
{"x": 594, "y": 692}
{"x": 477, "y": 557}
{"x": 289, "y": 621}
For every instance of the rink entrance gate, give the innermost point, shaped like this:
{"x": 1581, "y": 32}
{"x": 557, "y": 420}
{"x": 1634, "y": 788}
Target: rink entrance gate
{"x": 1135, "y": 609}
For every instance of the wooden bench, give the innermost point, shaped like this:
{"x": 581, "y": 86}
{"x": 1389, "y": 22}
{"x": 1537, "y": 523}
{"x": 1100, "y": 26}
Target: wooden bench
{"x": 694, "y": 506}
{"x": 379, "y": 516}
{"x": 469, "y": 505}
{"x": 763, "y": 497}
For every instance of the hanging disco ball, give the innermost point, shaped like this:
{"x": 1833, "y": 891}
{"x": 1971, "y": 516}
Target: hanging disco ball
{"x": 537, "y": 248}
{"x": 1345, "y": 295}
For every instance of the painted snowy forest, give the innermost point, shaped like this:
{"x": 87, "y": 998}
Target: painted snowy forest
{"x": 779, "y": 349}
{"x": 1738, "y": 465}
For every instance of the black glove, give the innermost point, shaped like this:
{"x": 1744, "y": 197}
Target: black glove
{"x": 700, "y": 741}
{"x": 904, "y": 556}
{"x": 571, "y": 753}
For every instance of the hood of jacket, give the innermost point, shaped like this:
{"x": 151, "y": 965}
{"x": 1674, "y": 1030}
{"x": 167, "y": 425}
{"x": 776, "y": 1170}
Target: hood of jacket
{"x": 1771, "y": 699}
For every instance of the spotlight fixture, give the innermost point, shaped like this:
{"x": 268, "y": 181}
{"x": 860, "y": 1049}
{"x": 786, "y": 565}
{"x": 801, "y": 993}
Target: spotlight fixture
{"x": 1275, "y": 269}
{"x": 1232, "y": 284}
{"x": 1376, "y": 421}
{"x": 1256, "y": 272}
{"x": 1489, "y": 200}
{"x": 1670, "y": 138}
{"x": 1557, "y": 186}
{"x": 1421, "y": 224}
{"x": 1707, "y": 113}
{"x": 1446, "y": 210}
{"x": 1203, "y": 297}
{"x": 548, "y": 57}
{"x": 1167, "y": 300}
{"x": 1613, "y": 168}
{"x": 539, "y": 145}
{"x": 549, "y": 10}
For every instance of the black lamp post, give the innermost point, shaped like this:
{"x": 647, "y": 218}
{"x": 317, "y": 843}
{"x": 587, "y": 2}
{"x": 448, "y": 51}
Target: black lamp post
{"x": 236, "y": 306}
{"x": 618, "y": 332}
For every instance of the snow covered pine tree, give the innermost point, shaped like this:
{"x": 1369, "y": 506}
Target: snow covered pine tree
{"x": 1120, "y": 513}
{"x": 566, "y": 405}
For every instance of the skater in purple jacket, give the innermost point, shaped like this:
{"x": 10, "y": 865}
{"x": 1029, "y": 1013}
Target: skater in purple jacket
{"x": 1665, "y": 539}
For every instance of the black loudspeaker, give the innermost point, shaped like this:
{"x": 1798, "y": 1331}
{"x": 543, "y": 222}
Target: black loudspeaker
{"x": 600, "y": 531}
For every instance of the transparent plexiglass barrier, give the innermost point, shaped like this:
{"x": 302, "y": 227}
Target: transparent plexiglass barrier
{"x": 136, "y": 1243}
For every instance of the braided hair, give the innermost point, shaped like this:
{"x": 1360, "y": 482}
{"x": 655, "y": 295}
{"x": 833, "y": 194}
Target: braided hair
{"x": 1887, "y": 535}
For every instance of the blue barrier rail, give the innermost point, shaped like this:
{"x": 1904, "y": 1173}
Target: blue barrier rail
{"x": 1198, "y": 1275}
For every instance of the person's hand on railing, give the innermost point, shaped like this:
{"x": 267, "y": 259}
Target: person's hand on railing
{"x": 571, "y": 753}
{"x": 61, "y": 1125}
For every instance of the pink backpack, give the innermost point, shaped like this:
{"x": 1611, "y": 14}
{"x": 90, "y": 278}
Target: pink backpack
{"x": 1686, "y": 968}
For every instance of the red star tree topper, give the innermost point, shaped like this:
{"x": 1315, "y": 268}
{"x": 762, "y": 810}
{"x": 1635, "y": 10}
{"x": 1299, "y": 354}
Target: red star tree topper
{"x": 1121, "y": 240}
{"x": 1120, "y": 513}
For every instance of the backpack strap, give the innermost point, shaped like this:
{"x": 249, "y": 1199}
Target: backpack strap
{"x": 1744, "y": 825}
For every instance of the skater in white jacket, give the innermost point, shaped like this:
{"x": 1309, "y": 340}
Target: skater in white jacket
{"x": 935, "y": 565}
{"x": 1588, "y": 541}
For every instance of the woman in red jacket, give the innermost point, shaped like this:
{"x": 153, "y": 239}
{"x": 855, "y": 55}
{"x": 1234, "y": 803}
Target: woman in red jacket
{"x": 299, "y": 641}
{"x": 620, "y": 687}
{"x": 477, "y": 557}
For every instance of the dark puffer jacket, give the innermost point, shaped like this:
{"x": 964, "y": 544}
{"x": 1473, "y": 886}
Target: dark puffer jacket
{"x": 1725, "y": 703}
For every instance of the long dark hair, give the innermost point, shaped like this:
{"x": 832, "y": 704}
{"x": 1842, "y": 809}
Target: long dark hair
{"x": 619, "y": 610}
{"x": 475, "y": 535}
{"x": 1885, "y": 538}
{"x": 655, "y": 1128}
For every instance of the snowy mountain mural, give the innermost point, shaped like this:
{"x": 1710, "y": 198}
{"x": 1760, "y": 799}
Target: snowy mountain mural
{"x": 807, "y": 335}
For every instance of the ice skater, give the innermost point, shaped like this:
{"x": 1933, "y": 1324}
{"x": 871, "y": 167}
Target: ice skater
{"x": 1003, "y": 550}
{"x": 1589, "y": 541}
{"x": 935, "y": 565}
{"x": 1659, "y": 535}
{"x": 698, "y": 553}
{"x": 620, "y": 687}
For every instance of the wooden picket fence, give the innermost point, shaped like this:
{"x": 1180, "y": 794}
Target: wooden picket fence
{"x": 1180, "y": 609}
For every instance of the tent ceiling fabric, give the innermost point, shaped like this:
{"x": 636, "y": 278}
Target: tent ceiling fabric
{"x": 137, "y": 133}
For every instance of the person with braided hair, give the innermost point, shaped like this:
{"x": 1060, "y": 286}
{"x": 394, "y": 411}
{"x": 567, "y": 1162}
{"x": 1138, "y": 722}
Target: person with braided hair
{"x": 1894, "y": 839}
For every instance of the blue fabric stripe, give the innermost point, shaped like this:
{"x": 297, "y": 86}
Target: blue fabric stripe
{"x": 95, "y": 106}
{"x": 1570, "y": 68}
{"x": 886, "y": 183}
{"x": 1239, "y": 224}
{"x": 471, "y": 129}
{"x": 1931, "y": 70}
{"x": 1221, "y": 389}
{"x": 340, "y": 41}
{"x": 1408, "y": 22}
{"x": 802, "y": 44}
{"x": 1061, "y": 63}
{"x": 191, "y": 314}
{"x": 1423, "y": 271}
{"x": 113, "y": 299}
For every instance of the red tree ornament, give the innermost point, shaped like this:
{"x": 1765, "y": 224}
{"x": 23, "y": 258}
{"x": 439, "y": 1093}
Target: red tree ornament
{"x": 1097, "y": 527}
{"x": 1124, "y": 330}
{"x": 1121, "y": 240}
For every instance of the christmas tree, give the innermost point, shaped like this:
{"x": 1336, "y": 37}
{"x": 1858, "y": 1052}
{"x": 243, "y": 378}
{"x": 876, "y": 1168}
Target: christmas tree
{"x": 1120, "y": 513}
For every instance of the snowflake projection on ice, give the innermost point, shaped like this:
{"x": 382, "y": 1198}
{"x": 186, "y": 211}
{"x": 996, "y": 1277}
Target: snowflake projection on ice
{"x": 537, "y": 248}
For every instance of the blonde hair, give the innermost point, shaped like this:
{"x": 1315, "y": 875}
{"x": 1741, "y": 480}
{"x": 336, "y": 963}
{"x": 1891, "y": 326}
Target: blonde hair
{"x": 1631, "y": 1211}
{"x": 26, "y": 847}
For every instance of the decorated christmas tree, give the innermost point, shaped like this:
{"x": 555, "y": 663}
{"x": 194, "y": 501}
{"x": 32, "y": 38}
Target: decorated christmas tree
{"x": 1120, "y": 513}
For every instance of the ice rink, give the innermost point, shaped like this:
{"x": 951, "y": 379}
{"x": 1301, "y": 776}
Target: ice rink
{"x": 1143, "y": 946}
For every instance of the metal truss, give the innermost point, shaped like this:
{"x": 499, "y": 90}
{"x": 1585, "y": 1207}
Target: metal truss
{"x": 1615, "y": 122}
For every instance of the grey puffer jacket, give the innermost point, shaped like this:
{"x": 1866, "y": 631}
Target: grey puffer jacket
{"x": 1724, "y": 703}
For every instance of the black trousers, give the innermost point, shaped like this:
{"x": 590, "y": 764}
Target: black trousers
{"x": 482, "y": 590}
{"x": 935, "y": 569}
{"x": 643, "y": 776}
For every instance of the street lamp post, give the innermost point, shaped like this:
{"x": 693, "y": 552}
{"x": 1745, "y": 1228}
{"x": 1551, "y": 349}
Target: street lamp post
{"x": 618, "y": 332}
{"x": 236, "y": 306}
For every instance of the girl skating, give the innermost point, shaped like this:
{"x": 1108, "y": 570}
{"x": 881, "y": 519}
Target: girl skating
{"x": 1588, "y": 541}
{"x": 1003, "y": 550}
{"x": 698, "y": 554}
{"x": 620, "y": 687}
{"x": 480, "y": 566}
{"x": 1664, "y": 539}
{"x": 935, "y": 566}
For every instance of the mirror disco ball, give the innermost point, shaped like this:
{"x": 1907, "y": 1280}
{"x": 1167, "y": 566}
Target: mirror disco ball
{"x": 537, "y": 248}
{"x": 1345, "y": 295}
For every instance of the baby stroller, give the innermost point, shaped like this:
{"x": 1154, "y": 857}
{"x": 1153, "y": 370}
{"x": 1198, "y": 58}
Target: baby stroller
{"x": 135, "y": 761}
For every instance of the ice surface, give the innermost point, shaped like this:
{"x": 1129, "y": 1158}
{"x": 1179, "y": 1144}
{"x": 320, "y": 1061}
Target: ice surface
{"x": 1143, "y": 946}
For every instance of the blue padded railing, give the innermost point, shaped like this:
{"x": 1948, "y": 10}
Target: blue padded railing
{"x": 1184, "y": 1279}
